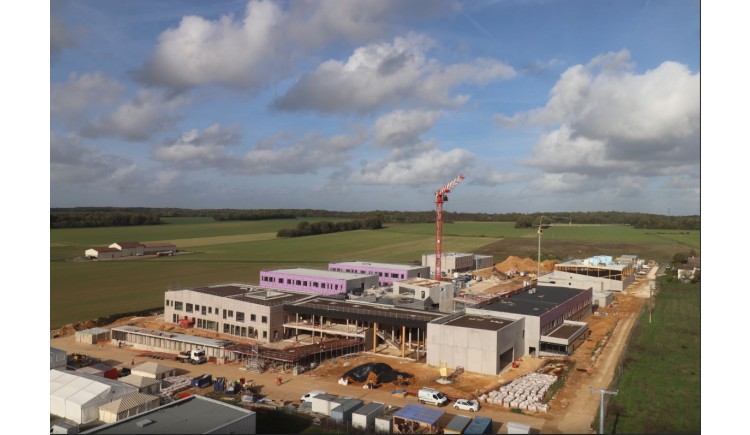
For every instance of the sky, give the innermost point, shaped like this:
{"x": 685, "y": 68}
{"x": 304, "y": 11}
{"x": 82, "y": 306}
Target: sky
{"x": 542, "y": 105}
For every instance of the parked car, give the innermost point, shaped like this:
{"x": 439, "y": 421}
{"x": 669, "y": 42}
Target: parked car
{"x": 467, "y": 405}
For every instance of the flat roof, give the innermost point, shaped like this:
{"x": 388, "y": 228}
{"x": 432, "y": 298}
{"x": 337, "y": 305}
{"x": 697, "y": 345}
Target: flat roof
{"x": 565, "y": 330}
{"x": 250, "y": 293}
{"x": 194, "y": 414}
{"x": 319, "y": 273}
{"x": 419, "y": 413}
{"x": 201, "y": 341}
{"x": 488, "y": 323}
{"x": 580, "y": 263}
{"x": 381, "y": 265}
{"x": 422, "y": 282}
{"x": 543, "y": 299}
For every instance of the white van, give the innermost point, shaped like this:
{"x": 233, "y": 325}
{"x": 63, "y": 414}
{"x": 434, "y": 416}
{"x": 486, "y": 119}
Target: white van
{"x": 432, "y": 396}
{"x": 310, "y": 395}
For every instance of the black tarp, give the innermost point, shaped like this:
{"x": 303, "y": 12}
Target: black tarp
{"x": 385, "y": 373}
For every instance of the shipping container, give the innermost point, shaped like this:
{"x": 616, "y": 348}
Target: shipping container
{"x": 343, "y": 412}
{"x": 479, "y": 426}
{"x": 364, "y": 417}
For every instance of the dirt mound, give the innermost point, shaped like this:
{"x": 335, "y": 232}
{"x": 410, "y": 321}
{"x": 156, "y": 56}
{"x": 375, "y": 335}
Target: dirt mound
{"x": 71, "y": 328}
{"x": 517, "y": 264}
{"x": 385, "y": 373}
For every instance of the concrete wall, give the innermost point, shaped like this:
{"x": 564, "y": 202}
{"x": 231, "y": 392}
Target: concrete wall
{"x": 218, "y": 305}
{"x": 476, "y": 350}
{"x": 573, "y": 280}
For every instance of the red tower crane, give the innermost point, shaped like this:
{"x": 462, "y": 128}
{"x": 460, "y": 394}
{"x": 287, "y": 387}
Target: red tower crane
{"x": 440, "y": 197}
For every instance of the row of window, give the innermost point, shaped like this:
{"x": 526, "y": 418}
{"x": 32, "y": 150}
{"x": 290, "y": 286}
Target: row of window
{"x": 239, "y": 316}
{"x": 367, "y": 272}
{"x": 300, "y": 282}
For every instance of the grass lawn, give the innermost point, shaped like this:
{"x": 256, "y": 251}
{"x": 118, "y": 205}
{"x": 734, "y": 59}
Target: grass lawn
{"x": 661, "y": 376}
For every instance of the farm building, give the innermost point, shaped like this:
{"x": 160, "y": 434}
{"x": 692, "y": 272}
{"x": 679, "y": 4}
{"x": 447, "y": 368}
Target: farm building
{"x": 599, "y": 273}
{"x": 102, "y": 253}
{"x": 457, "y": 262}
{"x": 478, "y": 343}
{"x": 126, "y": 406}
{"x": 144, "y": 384}
{"x": 149, "y": 339}
{"x": 93, "y": 335}
{"x": 150, "y": 369}
{"x": 235, "y": 309}
{"x": 57, "y": 358}
{"x": 128, "y": 249}
{"x": 373, "y": 323}
{"x": 387, "y": 273}
{"x": 320, "y": 282}
{"x": 77, "y": 396}
{"x": 191, "y": 415}
{"x": 436, "y": 294}
{"x": 159, "y": 248}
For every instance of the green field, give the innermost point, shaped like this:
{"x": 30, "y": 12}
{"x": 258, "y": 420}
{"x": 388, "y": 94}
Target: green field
{"x": 236, "y": 251}
{"x": 661, "y": 378}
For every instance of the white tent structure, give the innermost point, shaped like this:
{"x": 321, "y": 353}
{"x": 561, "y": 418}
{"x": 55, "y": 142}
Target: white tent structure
{"x": 77, "y": 396}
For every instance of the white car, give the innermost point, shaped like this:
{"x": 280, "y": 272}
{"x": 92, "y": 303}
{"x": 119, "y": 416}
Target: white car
{"x": 467, "y": 405}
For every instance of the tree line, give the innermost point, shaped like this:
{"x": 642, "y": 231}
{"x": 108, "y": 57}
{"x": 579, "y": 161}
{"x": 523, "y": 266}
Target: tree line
{"x": 305, "y": 228}
{"x": 114, "y": 216}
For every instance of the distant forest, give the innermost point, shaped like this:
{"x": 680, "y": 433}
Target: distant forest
{"x": 81, "y": 217}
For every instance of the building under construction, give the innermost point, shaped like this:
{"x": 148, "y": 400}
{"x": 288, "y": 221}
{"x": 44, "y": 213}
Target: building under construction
{"x": 600, "y": 273}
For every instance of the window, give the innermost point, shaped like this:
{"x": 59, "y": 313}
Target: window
{"x": 209, "y": 310}
{"x": 203, "y": 310}
{"x": 168, "y": 303}
{"x": 178, "y": 306}
{"x": 263, "y": 319}
{"x": 226, "y": 328}
{"x": 231, "y": 313}
{"x": 189, "y": 308}
{"x": 252, "y": 317}
{"x": 197, "y": 307}
{"x": 240, "y": 317}
{"x": 265, "y": 334}
{"x": 224, "y": 314}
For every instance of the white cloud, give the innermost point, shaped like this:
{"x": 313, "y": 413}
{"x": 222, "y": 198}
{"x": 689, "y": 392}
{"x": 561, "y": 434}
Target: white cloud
{"x": 605, "y": 120}
{"x": 403, "y": 128}
{"x": 430, "y": 167}
{"x": 561, "y": 182}
{"x": 70, "y": 100}
{"x": 60, "y": 37}
{"x": 382, "y": 74}
{"x": 197, "y": 149}
{"x": 495, "y": 178}
{"x": 147, "y": 113}
{"x": 214, "y": 149}
{"x": 261, "y": 46}
{"x": 73, "y": 162}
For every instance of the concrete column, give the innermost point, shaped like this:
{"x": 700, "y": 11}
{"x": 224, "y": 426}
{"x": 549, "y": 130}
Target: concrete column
{"x": 403, "y": 341}
{"x": 375, "y": 337}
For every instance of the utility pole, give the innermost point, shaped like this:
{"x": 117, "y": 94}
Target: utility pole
{"x": 602, "y": 392}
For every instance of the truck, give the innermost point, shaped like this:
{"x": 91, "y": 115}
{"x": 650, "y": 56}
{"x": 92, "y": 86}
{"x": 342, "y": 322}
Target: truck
{"x": 195, "y": 356}
{"x": 431, "y": 396}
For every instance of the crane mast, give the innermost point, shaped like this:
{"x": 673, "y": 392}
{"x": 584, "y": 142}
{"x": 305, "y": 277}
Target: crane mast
{"x": 440, "y": 197}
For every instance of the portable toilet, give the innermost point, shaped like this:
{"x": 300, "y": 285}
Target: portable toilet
{"x": 343, "y": 412}
{"x": 457, "y": 424}
{"x": 364, "y": 417}
{"x": 479, "y": 426}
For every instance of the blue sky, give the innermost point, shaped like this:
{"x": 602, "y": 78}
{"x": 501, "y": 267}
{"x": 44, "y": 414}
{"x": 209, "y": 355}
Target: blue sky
{"x": 362, "y": 105}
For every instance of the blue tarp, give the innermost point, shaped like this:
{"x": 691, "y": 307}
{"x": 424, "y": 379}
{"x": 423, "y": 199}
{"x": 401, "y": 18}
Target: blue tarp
{"x": 419, "y": 413}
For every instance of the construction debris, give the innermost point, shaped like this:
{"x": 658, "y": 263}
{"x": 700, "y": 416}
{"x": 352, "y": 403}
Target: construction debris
{"x": 525, "y": 393}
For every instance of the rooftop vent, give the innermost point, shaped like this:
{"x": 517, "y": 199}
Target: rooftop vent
{"x": 143, "y": 423}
